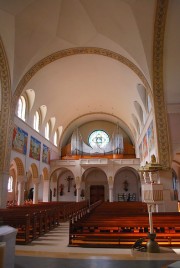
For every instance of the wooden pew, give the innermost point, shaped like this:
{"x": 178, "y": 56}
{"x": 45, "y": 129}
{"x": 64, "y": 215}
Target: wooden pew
{"x": 21, "y": 222}
{"x": 42, "y": 218}
{"x": 123, "y": 228}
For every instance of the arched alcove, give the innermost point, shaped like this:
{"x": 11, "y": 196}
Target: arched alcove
{"x": 126, "y": 185}
{"x": 95, "y": 185}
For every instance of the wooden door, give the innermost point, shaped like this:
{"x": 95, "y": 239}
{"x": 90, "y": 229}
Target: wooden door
{"x": 96, "y": 193}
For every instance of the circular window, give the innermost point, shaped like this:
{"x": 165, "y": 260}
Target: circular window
{"x": 98, "y": 138}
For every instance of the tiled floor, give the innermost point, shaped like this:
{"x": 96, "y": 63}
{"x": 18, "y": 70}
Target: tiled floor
{"x": 52, "y": 250}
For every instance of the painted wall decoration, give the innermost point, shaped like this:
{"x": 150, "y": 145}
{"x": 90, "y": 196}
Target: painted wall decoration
{"x": 145, "y": 147}
{"x": 35, "y": 149}
{"x": 150, "y": 133}
{"x": 19, "y": 140}
{"x": 46, "y": 154}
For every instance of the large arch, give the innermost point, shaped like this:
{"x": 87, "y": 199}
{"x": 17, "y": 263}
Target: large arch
{"x": 5, "y": 113}
{"x": 6, "y": 124}
{"x": 127, "y": 186}
{"x": 60, "y": 188}
{"x": 95, "y": 184}
{"x": 19, "y": 166}
{"x": 91, "y": 117}
{"x": 163, "y": 144}
{"x": 160, "y": 107}
{"x": 83, "y": 51}
{"x": 78, "y": 51}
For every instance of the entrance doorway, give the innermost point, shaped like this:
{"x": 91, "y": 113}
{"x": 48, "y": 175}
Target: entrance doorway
{"x": 96, "y": 193}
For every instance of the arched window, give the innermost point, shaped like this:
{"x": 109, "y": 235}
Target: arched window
{"x": 47, "y": 131}
{"x": 10, "y": 184}
{"x": 36, "y": 121}
{"x": 21, "y": 111}
{"x": 55, "y": 138}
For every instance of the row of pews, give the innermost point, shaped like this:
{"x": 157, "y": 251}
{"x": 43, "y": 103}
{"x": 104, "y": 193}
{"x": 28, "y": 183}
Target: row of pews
{"x": 34, "y": 220}
{"x": 121, "y": 224}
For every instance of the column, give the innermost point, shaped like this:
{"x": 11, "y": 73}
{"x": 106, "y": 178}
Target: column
{"x": 20, "y": 181}
{"x": 78, "y": 187}
{"x": 3, "y": 186}
{"x": 110, "y": 194}
{"x": 111, "y": 183}
{"x": 77, "y": 194}
{"x": 35, "y": 194}
{"x": 145, "y": 177}
{"x": 36, "y": 187}
{"x": 20, "y": 193}
{"x": 46, "y": 193}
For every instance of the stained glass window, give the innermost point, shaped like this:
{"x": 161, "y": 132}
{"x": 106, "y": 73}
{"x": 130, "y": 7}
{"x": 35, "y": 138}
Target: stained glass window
{"x": 98, "y": 138}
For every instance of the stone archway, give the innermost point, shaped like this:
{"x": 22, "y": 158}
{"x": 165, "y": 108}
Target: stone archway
{"x": 126, "y": 185}
{"x": 17, "y": 171}
{"x": 62, "y": 185}
{"x": 95, "y": 185}
{"x": 6, "y": 124}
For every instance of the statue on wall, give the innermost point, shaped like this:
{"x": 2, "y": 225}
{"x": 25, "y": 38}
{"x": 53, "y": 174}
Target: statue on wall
{"x": 69, "y": 179}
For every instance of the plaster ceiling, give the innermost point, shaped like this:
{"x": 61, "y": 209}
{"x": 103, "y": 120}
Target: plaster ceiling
{"x": 90, "y": 84}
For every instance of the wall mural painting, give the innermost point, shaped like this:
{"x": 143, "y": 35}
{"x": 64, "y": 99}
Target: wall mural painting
{"x": 150, "y": 133}
{"x": 145, "y": 147}
{"x": 35, "y": 149}
{"x": 46, "y": 154}
{"x": 19, "y": 140}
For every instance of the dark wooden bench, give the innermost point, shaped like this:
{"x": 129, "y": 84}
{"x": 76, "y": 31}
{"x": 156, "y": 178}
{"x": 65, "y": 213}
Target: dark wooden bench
{"x": 42, "y": 218}
{"x": 122, "y": 229}
{"x": 21, "y": 222}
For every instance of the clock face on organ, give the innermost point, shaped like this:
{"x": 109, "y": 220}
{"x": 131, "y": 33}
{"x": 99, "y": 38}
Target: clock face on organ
{"x": 98, "y": 138}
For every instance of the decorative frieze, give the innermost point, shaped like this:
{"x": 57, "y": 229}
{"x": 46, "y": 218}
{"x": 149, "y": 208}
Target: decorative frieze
{"x": 158, "y": 89}
{"x": 78, "y": 51}
{"x": 5, "y": 122}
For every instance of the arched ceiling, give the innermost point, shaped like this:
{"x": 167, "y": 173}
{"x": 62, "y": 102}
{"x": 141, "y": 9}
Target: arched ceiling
{"x": 81, "y": 84}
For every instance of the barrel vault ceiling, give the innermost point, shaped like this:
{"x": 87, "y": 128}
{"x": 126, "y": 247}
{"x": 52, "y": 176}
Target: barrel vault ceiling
{"x": 102, "y": 82}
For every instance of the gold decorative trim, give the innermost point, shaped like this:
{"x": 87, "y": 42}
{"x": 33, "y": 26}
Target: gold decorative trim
{"x": 77, "y": 51}
{"x": 5, "y": 125}
{"x": 159, "y": 103}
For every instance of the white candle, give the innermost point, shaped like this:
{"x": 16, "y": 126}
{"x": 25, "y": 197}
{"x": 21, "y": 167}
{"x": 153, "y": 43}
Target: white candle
{"x": 2, "y": 254}
{"x": 150, "y": 222}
